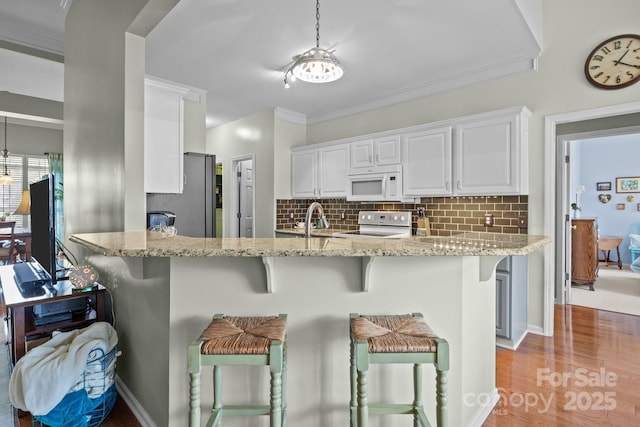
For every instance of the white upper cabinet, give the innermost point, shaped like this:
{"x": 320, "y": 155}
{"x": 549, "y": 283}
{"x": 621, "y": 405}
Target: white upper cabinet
{"x": 490, "y": 154}
{"x": 427, "y": 162}
{"x": 163, "y": 137}
{"x": 333, "y": 162}
{"x": 304, "y": 174}
{"x": 484, "y": 154}
{"x": 377, "y": 151}
{"x": 320, "y": 172}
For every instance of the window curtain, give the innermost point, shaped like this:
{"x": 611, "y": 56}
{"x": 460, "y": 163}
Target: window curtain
{"x": 55, "y": 168}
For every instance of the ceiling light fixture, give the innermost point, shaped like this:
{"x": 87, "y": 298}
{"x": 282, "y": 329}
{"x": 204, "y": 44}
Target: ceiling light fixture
{"x": 315, "y": 65}
{"x": 6, "y": 178}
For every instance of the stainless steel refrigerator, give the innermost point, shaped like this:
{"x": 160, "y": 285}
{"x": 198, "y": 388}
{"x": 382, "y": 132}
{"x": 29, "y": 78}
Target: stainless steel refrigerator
{"x": 195, "y": 208}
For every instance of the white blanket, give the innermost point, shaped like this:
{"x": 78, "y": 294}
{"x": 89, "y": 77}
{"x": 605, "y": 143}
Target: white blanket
{"x": 42, "y": 378}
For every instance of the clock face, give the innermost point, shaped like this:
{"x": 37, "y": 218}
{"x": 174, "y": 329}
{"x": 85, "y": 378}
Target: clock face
{"x": 614, "y": 63}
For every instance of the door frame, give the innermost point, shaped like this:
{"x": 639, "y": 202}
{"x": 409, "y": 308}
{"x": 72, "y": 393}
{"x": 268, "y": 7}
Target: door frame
{"x": 235, "y": 195}
{"x": 550, "y": 179}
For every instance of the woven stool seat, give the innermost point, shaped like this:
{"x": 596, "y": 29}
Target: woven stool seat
{"x": 396, "y": 339}
{"x": 395, "y": 334}
{"x": 234, "y": 341}
{"x": 242, "y": 335}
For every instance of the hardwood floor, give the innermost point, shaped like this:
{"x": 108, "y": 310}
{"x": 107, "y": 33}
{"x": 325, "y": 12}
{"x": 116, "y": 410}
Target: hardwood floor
{"x": 598, "y": 355}
{"x": 597, "y": 352}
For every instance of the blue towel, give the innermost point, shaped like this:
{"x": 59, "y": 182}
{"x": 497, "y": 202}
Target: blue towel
{"x": 78, "y": 410}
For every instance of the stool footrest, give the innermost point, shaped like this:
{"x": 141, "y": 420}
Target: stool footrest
{"x": 391, "y": 408}
{"x": 230, "y": 410}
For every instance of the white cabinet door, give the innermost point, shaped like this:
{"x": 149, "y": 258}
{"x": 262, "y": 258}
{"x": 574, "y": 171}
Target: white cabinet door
{"x": 333, "y": 162}
{"x": 304, "y": 174}
{"x": 490, "y": 156}
{"x": 361, "y": 153}
{"x": 379, "y": 151}
{"x": 387, "y": 150}
{"x": 427, "y": 163}
{"x": 163, "y": 137}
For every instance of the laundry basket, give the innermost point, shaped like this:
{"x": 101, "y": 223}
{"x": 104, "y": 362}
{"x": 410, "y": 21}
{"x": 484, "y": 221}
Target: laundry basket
{"x": 89, "y": 402}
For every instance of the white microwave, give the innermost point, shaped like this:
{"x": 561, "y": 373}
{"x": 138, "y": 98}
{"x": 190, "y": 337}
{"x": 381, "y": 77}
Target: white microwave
{"x": 378, "y": 183}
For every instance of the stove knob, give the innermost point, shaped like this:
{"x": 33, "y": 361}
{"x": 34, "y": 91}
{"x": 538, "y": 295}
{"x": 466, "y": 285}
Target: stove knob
{"x": 395, "y": 217}
{"x": 402, "y": 218}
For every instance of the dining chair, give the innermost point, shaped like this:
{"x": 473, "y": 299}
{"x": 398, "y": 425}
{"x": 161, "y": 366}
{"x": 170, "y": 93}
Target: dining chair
{"x": 8, "y": 249}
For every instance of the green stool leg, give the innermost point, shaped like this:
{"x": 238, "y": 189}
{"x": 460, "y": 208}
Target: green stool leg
{"x": 194, "y": 368}
{"x": 362, "y": 360}
{"x": 275, "y": 366}
{"x": 442, "y": 366}
{"x": 417, "y": 394}
{"x": 284, "y": 384}
{"x": 217, "y": 394}
{"x": 353, "y": 416}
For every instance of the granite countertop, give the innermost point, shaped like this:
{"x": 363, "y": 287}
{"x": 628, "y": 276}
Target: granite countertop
{"x": 154, "y": 244}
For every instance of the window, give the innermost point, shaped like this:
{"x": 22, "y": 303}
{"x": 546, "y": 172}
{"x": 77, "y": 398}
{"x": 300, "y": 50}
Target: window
{"x": 24, "y": 169}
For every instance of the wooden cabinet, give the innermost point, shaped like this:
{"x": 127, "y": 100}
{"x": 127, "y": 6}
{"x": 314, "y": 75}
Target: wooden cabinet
{"x": 584, "y": 251}
{"x": 320, "y": 172}
{"x": 426, "y": 169}
{"x": 375, "y": 151}
{"x": 22, "y": 326}
{"x": 490, "y": 154}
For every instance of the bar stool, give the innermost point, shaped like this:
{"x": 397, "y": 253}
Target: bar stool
{"x": 396, "y": 339}
{"x": 239, "y": 341}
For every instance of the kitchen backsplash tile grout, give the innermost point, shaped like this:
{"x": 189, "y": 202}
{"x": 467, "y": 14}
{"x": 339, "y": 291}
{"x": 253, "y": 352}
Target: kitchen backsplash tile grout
{"x": 447, "y": 215}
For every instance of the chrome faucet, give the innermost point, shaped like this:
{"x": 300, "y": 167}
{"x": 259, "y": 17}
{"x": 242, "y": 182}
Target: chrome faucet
{"x": 307, "y": 221}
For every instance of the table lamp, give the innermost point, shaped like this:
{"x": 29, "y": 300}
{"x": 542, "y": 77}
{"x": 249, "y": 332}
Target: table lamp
{"x": 24, "y": 208}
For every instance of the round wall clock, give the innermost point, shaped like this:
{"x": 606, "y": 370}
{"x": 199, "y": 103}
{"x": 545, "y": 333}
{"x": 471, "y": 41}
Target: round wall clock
{"x": 614, "y": 63}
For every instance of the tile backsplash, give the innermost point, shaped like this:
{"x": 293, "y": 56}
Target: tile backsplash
{"x": 447, "y": 215}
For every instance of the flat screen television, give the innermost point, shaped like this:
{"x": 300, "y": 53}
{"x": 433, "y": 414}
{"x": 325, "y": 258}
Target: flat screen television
{"x": 43, "y": 224}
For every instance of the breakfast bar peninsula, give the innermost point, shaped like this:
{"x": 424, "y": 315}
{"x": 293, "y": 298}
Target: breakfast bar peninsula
{"x": 166, "y": 289}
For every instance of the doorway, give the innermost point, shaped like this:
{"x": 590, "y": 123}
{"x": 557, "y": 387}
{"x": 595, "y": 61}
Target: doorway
{"x": 552, "y": 194}
{"x": 595, "y": 160}
{"x": 243, "y": 210}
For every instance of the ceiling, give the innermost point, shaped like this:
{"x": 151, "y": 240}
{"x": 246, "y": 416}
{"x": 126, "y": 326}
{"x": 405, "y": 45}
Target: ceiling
{"x": 236, "y": 50}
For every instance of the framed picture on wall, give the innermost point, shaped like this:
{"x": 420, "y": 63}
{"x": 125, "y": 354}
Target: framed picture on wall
{"x": 603, "y": 186}
{"x": 628, "y": 184}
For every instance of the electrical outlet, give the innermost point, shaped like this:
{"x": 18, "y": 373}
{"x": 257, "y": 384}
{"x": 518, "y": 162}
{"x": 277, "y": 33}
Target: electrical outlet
{"x": 488, "y": 220}
{"x": 290, "y": 214}
{"x": 522, "y": 221}
{"x": 342, "y": 215}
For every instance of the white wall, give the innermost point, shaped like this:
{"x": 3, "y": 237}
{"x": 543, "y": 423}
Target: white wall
{"x": 244, "y": 137}
{"x": 558, "y": 86}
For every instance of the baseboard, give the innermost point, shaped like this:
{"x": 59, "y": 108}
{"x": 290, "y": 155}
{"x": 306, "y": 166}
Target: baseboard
{"x": 483, "y": 413}
{"x": 538, "y": 330}
{"x": 509, "y": 344}
{"x": 138, "y": 411}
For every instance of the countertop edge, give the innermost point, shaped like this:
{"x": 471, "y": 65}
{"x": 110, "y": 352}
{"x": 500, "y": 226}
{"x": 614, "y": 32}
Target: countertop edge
{"x": 411, "y": 248}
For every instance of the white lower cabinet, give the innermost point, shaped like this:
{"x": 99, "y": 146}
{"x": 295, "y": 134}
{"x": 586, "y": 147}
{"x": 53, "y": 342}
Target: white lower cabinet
{"x": 511, "y": 301}
{"x": 427, "y": 162}
{"x": 320, "y": 172}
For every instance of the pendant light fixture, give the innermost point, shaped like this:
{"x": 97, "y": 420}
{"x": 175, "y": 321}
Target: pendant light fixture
{"x": 6, "y": 178}
{"x": 315, "y": 65}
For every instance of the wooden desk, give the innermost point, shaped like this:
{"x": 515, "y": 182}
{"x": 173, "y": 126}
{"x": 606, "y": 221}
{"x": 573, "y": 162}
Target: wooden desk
{"x": 606, "y": 245}
{"x": 20, "y": 316}
{"x": 23, "y": 234}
